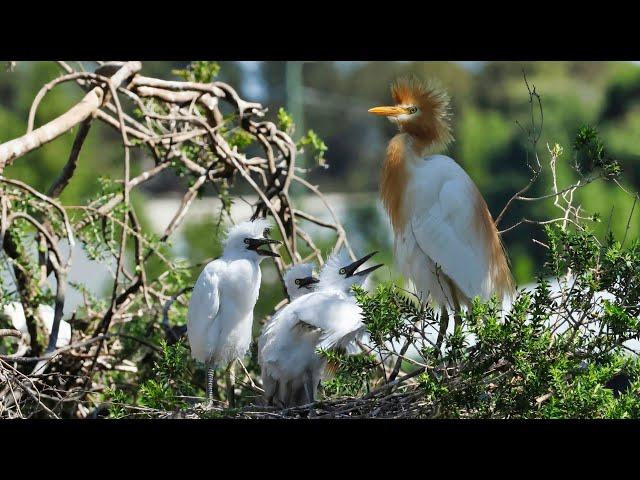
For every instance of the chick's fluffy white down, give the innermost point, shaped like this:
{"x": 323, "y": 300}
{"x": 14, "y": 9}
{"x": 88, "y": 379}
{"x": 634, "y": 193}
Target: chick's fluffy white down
{"x": 221, "y": 310}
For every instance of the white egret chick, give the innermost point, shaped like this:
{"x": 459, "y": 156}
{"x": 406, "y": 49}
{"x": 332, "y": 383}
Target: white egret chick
{"x": 220, "y": 312}
{"x": 299, "y": 281}
{"x": 328, "y": 318}
{"x": 44, "y": 314}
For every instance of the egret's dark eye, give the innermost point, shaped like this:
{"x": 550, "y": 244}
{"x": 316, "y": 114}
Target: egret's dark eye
{"x": 297, "y": 281}
{"x": 247, "y": 241}
{"x": 342, "y": 271}
{"x": 267, "y": 232}
{"x": 412, "y": 109}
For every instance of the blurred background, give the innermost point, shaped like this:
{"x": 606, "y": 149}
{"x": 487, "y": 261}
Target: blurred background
{"x": 489, "y": 99}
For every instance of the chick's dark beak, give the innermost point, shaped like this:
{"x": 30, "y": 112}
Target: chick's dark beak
{"x": 255, "y": 244}
{"x": 367, "y": 271}
{"x": 349, "y": 270}
{"x": 306, "y": 282}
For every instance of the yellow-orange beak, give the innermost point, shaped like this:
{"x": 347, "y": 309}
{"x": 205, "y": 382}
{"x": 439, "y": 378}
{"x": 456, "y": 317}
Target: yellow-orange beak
{"x": 388, "y": 111}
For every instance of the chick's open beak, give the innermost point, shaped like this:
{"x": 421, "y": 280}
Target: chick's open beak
{"x": 388, "y": 111}
{"x": 349, "y": 270}
{"x": 255, "y": 243}
{"x": 367, "y": 271}
{"x": 306, "y": 282}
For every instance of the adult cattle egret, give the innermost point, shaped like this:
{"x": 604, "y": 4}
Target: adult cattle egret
{"x": 327, "y": 318}
{"x": 445, "y": 240}
{"x": 221, "y": 307}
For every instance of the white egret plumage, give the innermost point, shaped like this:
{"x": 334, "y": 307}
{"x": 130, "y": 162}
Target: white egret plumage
{"x": 44, "y": 314}
{"x": 220, "y": 312}
{"x": 298, "y": 281}
{"x": 327, "y": 318}
{"x": 445, "y": 240}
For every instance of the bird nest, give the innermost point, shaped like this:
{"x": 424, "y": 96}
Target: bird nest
{"x": 405, "y": 403}
{"x": 400, "y": 398}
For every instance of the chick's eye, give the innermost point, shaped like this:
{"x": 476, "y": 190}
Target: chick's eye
{"x": 297, "y": 281}
{"x": 267, "y": 232}
{"x": 412, "y": 109}
{"x": 342, "y": 271}
{"x": 246, "y": 240}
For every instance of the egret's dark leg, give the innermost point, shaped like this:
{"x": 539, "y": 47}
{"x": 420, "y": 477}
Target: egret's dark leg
{"x": 310, "y": 390}
{"x": 444, "y": 324}
{"x": 231, "y": 383}
{"x": 457, "y": 317}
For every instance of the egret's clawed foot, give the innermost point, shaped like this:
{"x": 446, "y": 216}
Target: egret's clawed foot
{"x": 206, "y": 405}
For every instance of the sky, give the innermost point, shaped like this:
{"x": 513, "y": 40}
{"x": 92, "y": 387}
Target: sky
{"x": 254, "y": 87}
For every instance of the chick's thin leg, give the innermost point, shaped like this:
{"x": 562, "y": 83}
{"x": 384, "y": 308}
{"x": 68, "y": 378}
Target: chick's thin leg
{"x": 210, "y": 381}
{"x": 287, "y": 395}
{"x": 309, "y": 386}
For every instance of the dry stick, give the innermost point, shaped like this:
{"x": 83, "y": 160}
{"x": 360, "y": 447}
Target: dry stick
{"x": 316, "y": 251}
{"x": 169, "y": 96}
{"x": 67, "y": 172}
{"x": 60, "y": 184}
{"x": 44, "y": 198}
{"x": 253, "y": 386}
{"x": 396, "y": 368}
{"x": 23, "y": 387}
{"x": 624, "y": 239}
{"x": 315, "y": 220}
{"x": 516, "y": 196}
{"x": 217, "y": 89}
{"x": 167, "y": 305}
{"x": 138, "y": 254}
{"x": 539, "y": 222}
{"x": 109, "y": 120}
{"x": 102, "y": 75}
{"x": 534, "y": 141}
{"x": 260, "y": 193}
{"x": 9, "y": 332}
{"x": 117, "y": 199}
{"x": 339, "y": 229}
{"x": 57, "y": 260}
{"x": 49, "y": 86}
{"x": 119, "y": 222}
{"x": 61, "y": 285}
{"x": 186, "y": 202}
{"x": 55, "y": 353}
{"x": 91, "y": 102}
